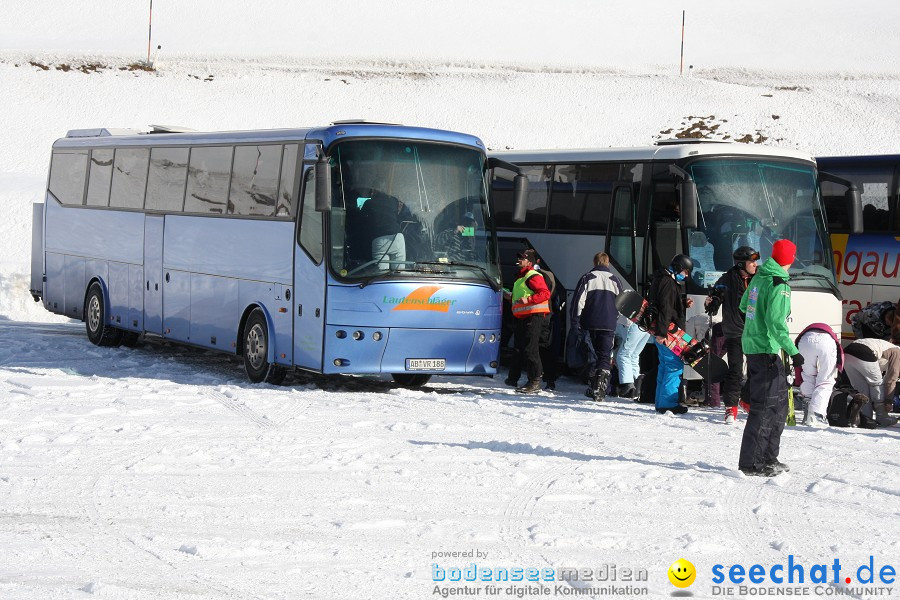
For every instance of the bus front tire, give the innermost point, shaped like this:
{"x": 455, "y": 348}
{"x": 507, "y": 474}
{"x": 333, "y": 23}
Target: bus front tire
{"x": 255, "y": 351}
{"x": 410, "y": 380}
{"x": 98, "y": 332}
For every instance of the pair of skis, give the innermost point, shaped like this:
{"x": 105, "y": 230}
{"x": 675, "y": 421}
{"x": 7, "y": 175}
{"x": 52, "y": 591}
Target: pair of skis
{"x": 789, "y": 370}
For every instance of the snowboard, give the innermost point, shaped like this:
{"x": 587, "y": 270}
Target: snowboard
{"x": 692, "y": 351}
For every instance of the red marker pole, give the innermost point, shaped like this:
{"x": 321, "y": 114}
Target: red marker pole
{"x": 150, "y": 32}
{"x": 680, "y": 70}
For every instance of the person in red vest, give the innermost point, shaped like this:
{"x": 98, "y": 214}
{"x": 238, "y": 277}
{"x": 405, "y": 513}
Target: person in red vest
{"x": 530, "y": 299}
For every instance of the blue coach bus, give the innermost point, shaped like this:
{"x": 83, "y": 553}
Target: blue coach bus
{"x": 354, "y": 248}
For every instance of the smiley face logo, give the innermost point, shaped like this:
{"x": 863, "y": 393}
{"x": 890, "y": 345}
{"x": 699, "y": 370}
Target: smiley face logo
{"x": 682, "y": 573}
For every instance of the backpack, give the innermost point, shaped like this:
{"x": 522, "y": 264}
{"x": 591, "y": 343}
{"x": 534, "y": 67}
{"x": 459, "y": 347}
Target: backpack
{"x": 843, "y": 409}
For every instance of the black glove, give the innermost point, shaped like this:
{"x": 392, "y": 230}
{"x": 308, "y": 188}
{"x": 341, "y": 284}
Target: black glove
{"x": 797, "y": 360}
{"x": 714, "y": 305}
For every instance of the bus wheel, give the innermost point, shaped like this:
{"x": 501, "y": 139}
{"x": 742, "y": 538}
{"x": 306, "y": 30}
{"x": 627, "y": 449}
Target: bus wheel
{"x": 408, "y": 380}
{"x": 98, "y": 331}
{"x": 255, "y": 350}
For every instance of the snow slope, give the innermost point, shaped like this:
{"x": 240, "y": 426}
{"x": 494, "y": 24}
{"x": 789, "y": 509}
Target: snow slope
{"x": 158, "y": 472}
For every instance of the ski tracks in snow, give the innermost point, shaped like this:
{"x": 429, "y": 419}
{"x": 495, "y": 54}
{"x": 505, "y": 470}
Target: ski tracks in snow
{"x": 118, "y": 560}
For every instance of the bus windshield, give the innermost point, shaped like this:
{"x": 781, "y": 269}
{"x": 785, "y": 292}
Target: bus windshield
{"x": 755, "y": 203}
{"x": 411, "y": 209}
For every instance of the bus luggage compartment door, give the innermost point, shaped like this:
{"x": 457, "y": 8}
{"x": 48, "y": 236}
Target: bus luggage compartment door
{"x": 153, "y": 288}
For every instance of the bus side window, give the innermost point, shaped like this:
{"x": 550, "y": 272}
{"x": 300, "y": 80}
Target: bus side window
{"x": 167, "y": 178}
{"x": 835, "y": 206}
{"x": 580, "y": 196}
{"x": 254, "y": 180}
{"x": 68, "y": 172}
{"x": 874, "y": 195}
{"x": 100, "y": 177}
{"x": 208, "y": 177}
{"x": 874, "y": 184}
{"x": 129, "y": 180}
{"x": 311, "y": 220}
{"x": 285, "y": 206}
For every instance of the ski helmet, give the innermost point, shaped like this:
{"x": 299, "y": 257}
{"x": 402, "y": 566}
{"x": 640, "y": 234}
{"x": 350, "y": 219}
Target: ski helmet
{"x": 681, "y": 262}
{"x": 745, "y": 253}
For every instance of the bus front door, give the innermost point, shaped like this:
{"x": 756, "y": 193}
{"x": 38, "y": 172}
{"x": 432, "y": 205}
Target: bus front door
{"x": 153, "y": 258}
{"x": 309, "y": 282}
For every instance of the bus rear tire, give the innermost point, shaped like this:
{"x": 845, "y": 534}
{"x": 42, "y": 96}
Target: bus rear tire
{"x": 409, "y": 380}
{"x": 255, "y": 351}
{"x": 98, "y": 332}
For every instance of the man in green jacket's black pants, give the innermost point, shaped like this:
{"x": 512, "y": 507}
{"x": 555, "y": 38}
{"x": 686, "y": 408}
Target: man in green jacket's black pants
{"x": 767, "y": 304}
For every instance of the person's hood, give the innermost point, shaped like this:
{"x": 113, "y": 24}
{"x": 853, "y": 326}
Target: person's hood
{"x": 770, "y": 269}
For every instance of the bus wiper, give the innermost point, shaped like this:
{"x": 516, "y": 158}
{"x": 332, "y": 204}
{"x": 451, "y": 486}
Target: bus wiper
{"x": 385, "y": 275}
{"x": 494, "y": 285}
{"x": 825, "y": 278}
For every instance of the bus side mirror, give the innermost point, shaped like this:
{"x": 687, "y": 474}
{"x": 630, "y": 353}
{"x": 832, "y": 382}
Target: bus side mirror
{"x": 688, "y": 204}
{"x": 520, "y": 192}
{"x": 854, "y": 207}
{"x": 323, "y": 183}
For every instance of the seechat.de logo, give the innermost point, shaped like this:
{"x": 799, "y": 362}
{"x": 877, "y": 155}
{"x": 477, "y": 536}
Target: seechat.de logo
{"x": 682, "y": 573}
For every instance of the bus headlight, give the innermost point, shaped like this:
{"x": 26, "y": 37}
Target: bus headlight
{"x": 357, "y": 335}
{"x": 376, "y": 336}
{"x": 493, "y": 338}
{"x": 481, "y": 338}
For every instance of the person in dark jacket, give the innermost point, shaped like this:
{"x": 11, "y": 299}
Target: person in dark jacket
{"x": 459, "y": 241}
{"x": 530, "y": 299}
{"x": 667, "y": 295}
{"x": 727, "y": 293}
{"x": 594, "y": 310}
{"x": 767, "y": 304}
{"x": 552, "y": 324}
{"x": 874, "y": 321}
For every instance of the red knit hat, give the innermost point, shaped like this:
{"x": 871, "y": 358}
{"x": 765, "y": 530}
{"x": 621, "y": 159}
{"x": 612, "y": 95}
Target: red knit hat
{"x": 784, "y": 252}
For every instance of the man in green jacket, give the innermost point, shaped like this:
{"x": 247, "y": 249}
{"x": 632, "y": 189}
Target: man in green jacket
{"x": 767, "y": 304}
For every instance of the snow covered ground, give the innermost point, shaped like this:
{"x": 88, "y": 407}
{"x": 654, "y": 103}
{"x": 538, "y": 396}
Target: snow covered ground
{"x": 158, "y": 472}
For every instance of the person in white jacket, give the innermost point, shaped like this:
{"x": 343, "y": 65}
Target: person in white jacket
{"x": 822, "y": 359}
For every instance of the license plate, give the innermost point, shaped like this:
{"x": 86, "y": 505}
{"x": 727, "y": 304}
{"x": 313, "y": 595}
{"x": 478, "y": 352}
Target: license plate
{"x": 425, "y": 364}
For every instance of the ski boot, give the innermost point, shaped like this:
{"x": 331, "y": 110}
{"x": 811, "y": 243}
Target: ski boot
{"x": 533, "y": 386}
{"x": 601, "y": 385}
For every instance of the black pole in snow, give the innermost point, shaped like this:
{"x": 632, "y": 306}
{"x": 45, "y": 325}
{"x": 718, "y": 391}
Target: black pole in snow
{"x": 150, "y": 32}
